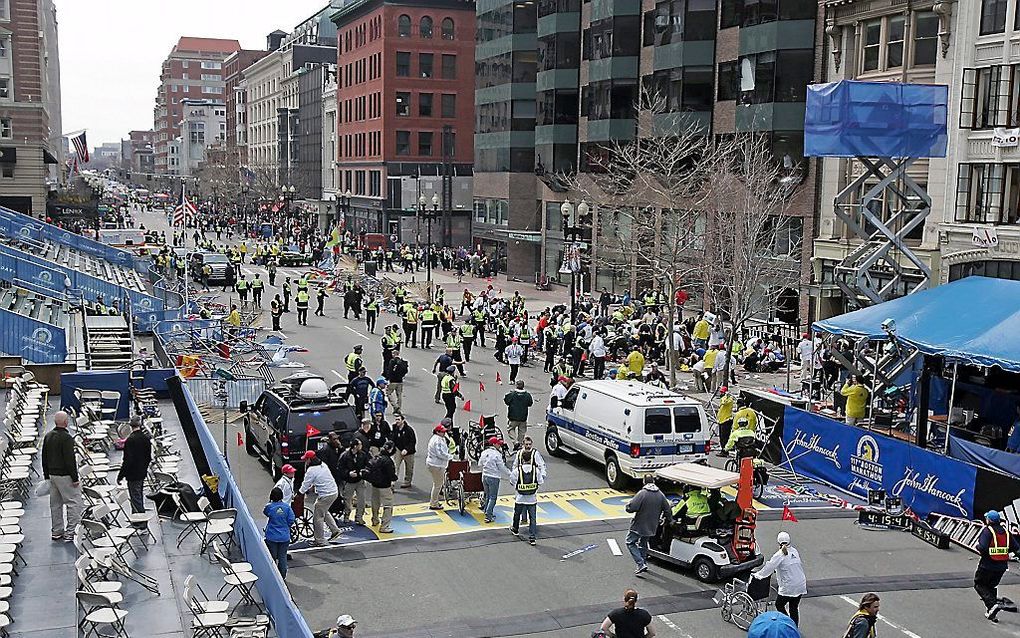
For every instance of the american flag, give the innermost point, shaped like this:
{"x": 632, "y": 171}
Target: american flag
{"x": 185, "y": 211}
{"x": 81, "y": 147}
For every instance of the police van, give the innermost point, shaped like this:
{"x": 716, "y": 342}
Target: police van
{"x": 631, "y": 427}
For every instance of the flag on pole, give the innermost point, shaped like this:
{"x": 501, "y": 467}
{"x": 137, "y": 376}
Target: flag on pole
{"x": 311, "y": 430}
{"x": 81, "y": 147}
{"x": 788, "y": 514}
{"x": 334, "y": 237}
{"x": 467, "y": 406}
{"x": 185, "y": 211}
{"x": 481, "y": 387}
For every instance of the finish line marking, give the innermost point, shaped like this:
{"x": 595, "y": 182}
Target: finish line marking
{"x": 357, "y": 333}
{"x": 614, "y": 547}
{"x": 907, "y": 632}
{"x": 672, "y": 625}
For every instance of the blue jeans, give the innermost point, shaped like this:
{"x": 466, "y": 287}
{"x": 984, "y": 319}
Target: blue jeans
{"x": 491, "y": 485}
{"x": 638, "y": 547}
{"x": 278, "y": 550}
{"x": 520, "y": 508}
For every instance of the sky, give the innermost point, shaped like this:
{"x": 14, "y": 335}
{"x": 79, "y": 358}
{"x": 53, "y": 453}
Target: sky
{"x": 111, "y": 51}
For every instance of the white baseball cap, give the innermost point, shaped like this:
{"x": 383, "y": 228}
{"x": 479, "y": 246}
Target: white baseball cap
{"x": 345, "y": 620}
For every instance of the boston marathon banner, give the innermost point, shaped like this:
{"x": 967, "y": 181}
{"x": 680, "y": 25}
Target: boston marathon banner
{"x": 856, "y": 460}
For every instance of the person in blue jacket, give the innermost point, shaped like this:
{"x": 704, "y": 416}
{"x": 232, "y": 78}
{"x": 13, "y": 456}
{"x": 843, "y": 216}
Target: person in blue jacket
{"x": 281, "y": 517}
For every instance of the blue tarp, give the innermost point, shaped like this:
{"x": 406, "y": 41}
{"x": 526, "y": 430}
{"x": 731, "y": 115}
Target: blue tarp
{"x": 973, "y": 321}
{"x": 875, "y": 119}
{"x": 773, "y": 624}
{"x": 983, "y": 456}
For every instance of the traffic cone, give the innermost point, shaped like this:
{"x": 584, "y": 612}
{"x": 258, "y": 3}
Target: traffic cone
{"x": 499, "y": 379}
{"x": 467, "y": 406}
{"x": 481, "y": 387}
{"x": 240, "y": 441}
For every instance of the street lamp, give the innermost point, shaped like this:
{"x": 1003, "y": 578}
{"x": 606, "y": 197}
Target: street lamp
{"x": 345, "y": 205}
{"x": 571, "y": 239}
{"x": 429, "y": 215}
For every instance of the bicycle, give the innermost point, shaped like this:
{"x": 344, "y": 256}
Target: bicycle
{"x": 760, "y": 475}
{"x": 479, "y": 432}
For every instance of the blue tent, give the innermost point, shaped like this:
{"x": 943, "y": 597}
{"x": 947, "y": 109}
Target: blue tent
{"x": 773, "y": 624}
{"x": 974, "y": 320}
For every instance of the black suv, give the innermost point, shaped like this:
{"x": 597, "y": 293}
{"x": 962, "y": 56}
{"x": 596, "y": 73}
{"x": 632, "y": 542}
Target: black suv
{"x": 222, "y": 272}
{"x": 275, "y": 426}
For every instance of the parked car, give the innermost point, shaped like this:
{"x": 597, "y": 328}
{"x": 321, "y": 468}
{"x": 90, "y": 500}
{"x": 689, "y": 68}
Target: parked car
{"x": 222, "y": 270}
{"x": 293, "y": 258}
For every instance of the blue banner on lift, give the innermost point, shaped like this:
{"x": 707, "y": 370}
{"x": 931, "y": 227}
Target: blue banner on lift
{"x": 856, "y": 460}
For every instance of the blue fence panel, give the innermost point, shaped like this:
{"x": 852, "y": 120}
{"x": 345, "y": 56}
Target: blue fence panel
{"x": 856, "y": 460}
{"x": 31, "y": 339}
{"x": 14, "y": 222}
{"x": 286, "y": 618}
{"x": 116, "y": 380}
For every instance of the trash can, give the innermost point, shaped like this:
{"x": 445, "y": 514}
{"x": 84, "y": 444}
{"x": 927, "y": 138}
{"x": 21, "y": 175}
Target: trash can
{"x": 370, "y": 268}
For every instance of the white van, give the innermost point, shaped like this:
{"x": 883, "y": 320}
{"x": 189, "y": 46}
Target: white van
{"x": 632, "y": 427}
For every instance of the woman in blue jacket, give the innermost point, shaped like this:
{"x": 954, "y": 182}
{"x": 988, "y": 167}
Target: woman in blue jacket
{"x": 281, "y": 517}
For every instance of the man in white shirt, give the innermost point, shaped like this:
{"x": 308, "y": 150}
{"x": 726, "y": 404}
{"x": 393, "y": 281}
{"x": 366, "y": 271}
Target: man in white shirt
{"x": 437, "y": 459}
{"x": 514, "y": 353}
{"x": 597, "y": 352}
{"x": 806, "y": 351}
{"x": 320, "y": 479}
{"x": 286, "y": 482}
{"x": 529, "y": 471}
{"x": 493, "y": 470}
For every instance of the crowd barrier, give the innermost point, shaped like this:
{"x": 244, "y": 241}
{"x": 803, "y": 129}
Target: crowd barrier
{"x": 203, "y": 390}
{"x": 31, "y": 339}
{"x": 287, "y": 620}
{"x": 15, "y": 224}
{"x": 856, "y": 460}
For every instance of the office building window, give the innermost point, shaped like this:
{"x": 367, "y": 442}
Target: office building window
{"x": 374, "y": 183}
{"x": 404, "y": 26}
{"x": 5, "y": 88}
{"x": 449, "y": 70}
{"x": 403, "y": 64}
{"x": 425, "y": 27}
{"x": 425, "y": 104}
{"x": 6, "y": 131}
{"x": 776, "y": 76}
{"x": 449, "y": 143}
{"x": 425, "y": 62}
{"x": 993, "y": 16}
{"x": 988, "y": 193}
{"x": 731, "y": 13}
{"x": 729, "y": 85}
{"x": 425, "y": 143}
{"x": 403, "y": 142}
{"x": 926, "y": 37}
{"x": 5, "y": 44}
{"x": 990, "y": 97}
{"x": 894, "y": 42}
{"x": 5, "y": 10}
{"x": 447, "y": 28}
{"x": 449, "y": 105}
{"x": 7, "y": 171}
{"x": 403, "y": 103}
{"x": 872, "y": 45}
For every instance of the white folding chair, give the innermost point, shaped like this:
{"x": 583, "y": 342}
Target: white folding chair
{"x": 99, "y": 610}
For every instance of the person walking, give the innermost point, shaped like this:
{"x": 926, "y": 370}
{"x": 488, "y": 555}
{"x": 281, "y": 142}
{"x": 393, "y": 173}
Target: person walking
{"x": 404, "y": 442}
{"x": 381, "y": 474}
{"x": 135, "y": 464}
{"x": 276, "y": 311}
{"x": 629, "y": 621}
{"x": 396, "y": 370}
{"x": 514, "y": 354}
{"x": 302, "y": 307}
{"x": 377, "y": 401}
{"x": 320, "y": 301}
{"x": 724, "y": 418}
{"x": 493, "y": 470}
{"x": 257, "y": 287}
{"x": 61, "y": 469}
{"x": 530, "y": 471}
{"x": 371, "y": 313}
{"x": 994, "y": 545}
{"x": 856, "y": 399}
{"x": 862, "y": 623}
{"x": 352, "y": 464}
{"x": 790, "y": 573}
{"x": 518, "y": 402}
{"x": 437, "y": 459}
{"x": 281, "y": 517}
{"x": 647, "y": 506}
{"x": 319, "y": 479}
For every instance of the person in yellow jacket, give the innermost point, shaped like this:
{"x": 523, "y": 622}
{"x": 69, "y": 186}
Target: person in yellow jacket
{"x": 701, "y": 331}
{"x": 693, "y": 506}
{"x": 724, "y": 418}
{"x": 856, "y": 399}
{"x": 636, "y": 362}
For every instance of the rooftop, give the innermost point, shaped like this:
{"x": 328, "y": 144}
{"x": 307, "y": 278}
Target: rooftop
{"x": 211, "y": 45}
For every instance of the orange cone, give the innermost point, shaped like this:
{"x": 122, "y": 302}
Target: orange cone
{"x": 481, "y": 387}
{"x": 499, "y": 379}
{"x": 467, "y": 406}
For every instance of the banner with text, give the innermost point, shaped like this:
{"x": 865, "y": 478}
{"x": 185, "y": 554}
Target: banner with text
{"x": 856, "y": 460}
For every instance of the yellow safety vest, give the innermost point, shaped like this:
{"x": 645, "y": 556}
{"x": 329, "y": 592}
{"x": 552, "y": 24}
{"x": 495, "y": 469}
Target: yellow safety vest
{"x": 351, "y": 361}
{"x": 447, "y": 384}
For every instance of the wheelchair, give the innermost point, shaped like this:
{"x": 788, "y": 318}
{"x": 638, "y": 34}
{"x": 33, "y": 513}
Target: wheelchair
{"x": 301, "y": 528}
{"x": 742, "y": 601}
{"x": 478, "y": 433}
{"x": 462, "y": 485}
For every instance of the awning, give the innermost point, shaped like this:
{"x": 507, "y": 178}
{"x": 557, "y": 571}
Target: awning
{"x": 974, "y": 320}
{"x": 48, "y": 157}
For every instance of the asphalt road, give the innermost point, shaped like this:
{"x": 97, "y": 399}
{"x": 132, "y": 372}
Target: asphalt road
{"x": 489, "y": 583}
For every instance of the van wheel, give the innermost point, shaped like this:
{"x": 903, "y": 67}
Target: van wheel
{"x": 614, "y": 476}
{"x": 249, "y": 440}
{"x": 552, "y": 442}
{"x": 704, "y": 569}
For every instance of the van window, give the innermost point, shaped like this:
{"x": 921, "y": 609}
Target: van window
{"x": 657, "y": 421}
{"x": 687, "y": 419}
{"x": 570, "y": 399}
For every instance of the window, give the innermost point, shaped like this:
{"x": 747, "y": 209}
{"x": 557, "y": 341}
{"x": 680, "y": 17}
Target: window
{"x": 404, "y": 26}
{"x": 425, "y": 61}
{"x": 6, "y": 132}
{"x": 425, "y": 143}
{"x": 872, "y": 45}
{"x": 403, "y": 142}
{"x": 211, "y": 89}
{"x": 7, "y": 171}
{"x": 425, "y": 104}
{"x": 403, "y": 64}
{"x": 5, "y": 10}
{"x": 449, "y": 143}
{"x": 658, "y": 421}
{"x": 5, "y": 44}
{"x": 403, "y": 103}
{"x": 449, "y": 70}
{"x": 993, "y": 16}
{"x": 449, "y": 102}
{"x": 988, "y": 193}
{"x": 211, "y": 65}
{"x": 894, "y": 42}
{"x": 731, "y": 13}
{"x": 926, "y": 36}
{"x": 374, "y": 183}
{"x": 447, "y": 28}
{"x": 5, "y": 88}
{"x": 728, "y": 84}
{"x": 425, "y": 27}
{"x": 686, "y": 419}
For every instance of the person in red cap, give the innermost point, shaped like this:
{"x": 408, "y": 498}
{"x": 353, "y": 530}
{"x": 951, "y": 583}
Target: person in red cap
{"x": 493, "y": 470}
{"x": 286, "y": 482}
{"x": 320, "y": 479}
{"x": 437, "y": 459}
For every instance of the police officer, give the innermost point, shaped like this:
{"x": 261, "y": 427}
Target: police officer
{"x": 453, "y": 342}
{"x": 467, "y": 339}
{"x": 428, "y": 324}
{"x": 411, "y": 325}
{"x": 241, "y": 286}
{"x": 995, "y": 544}
{"x": 320, "y": 299}
{"x": 353, "y": 362}
{"x": 302, "y": 284}
{"x": 348, "y": 290}
{"x": 399, "y": 293}
{"x": 272, "y": 272}
{"x": 206, "y": 274}
{"x": 449, "y": 390}
{"x": 694, "y": 505}
{"x": 371, "y": 313}
{"x": 390, "y": 342}
{"x": 479, "y": 318}
{"x": 302, "y": 307}
{"x": 257, "y": 285}
{"x": 286, "y": 294}
{"x": 276, "y": 310}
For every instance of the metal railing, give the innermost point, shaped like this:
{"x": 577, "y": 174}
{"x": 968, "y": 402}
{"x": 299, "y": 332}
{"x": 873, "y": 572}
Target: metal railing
{"x": 207, "y": 390}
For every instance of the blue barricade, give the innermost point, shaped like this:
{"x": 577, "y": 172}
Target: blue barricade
{"x": 13, "y": 223}
{"x": 31, "y": 339}
{"x": 856, "y": 460}
{"x": 116, "y": 380}
{"x": 286, "y": 618}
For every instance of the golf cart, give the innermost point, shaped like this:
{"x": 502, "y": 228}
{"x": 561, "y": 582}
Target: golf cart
{"x": 718, "y": 545}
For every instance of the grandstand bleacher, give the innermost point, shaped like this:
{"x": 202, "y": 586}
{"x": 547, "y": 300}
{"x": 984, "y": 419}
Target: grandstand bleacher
{"x": 76, "y": 260}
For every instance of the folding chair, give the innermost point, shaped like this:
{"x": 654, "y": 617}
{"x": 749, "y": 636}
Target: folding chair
{"x": 205, "y": 623}
{"x": 99, "y": 610}
{"x": 242, "y": 582}
{"x": 192, "y": 520}
{"x": 218, "y": 523}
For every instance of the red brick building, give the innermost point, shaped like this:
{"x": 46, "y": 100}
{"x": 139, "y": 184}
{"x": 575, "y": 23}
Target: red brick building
{"x": 236, "y": 95}
{"x": 405, "y": 75}
{"x": 193, "y": 69}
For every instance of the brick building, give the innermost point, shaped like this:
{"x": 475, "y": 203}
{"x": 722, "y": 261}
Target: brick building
{"x": 236, "y": 96}
{"x": 405, "y": 93}
{"x": 31, "y": 148}
{"x": 192, "y": 70}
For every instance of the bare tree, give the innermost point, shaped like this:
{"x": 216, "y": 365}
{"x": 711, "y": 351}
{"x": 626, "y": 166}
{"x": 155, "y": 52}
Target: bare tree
{"x": 747, "y": 243}
{"x": 646, "y": 197}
